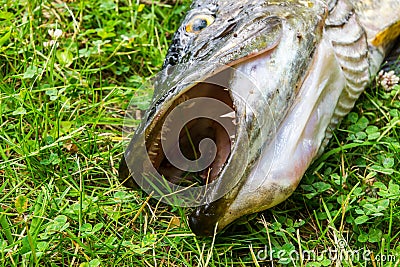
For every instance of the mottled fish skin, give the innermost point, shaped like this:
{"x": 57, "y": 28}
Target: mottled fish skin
{"x": 333, "y": 47}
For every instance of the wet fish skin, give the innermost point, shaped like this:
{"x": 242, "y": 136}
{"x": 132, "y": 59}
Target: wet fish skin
{"x": 332, "y": 47}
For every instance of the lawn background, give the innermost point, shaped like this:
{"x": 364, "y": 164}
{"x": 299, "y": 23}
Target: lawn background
{"x": 62, "y": 106}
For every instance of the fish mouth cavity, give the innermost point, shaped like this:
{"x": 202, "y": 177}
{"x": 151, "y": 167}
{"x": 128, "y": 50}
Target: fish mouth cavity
{"x": 233, "y": 126}
{"x": 168, "y": 133}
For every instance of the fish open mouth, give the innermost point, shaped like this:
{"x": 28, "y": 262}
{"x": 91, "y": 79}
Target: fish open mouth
{"x": 192, "y": 133}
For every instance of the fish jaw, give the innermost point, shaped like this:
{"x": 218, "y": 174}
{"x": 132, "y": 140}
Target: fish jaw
{"x": 283, "y": 162}
{"x": 259, "y": 114}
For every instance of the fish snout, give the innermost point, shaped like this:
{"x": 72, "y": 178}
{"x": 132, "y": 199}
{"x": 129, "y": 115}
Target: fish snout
{"x": 202, "y": 222}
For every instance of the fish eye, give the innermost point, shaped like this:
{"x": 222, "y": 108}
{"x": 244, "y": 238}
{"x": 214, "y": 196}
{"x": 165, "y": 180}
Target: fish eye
{"x": 198, "y": 23}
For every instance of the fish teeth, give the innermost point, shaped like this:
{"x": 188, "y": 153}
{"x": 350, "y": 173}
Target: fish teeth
{"x": 232, "y": 139}
{"x": 229, "y": 115}
{"x": 183, "y": 98}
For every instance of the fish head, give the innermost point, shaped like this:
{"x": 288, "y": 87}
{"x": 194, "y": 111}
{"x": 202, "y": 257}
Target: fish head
{"x": 226, "y": 106}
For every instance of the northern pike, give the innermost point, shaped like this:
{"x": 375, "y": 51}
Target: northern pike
{"x": 284, "y": 74}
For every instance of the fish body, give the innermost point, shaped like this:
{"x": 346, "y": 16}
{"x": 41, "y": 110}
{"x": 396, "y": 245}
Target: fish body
{"x": 286, "y": 73}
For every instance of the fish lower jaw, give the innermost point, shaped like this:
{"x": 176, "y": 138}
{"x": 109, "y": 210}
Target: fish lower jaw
{"x": 282, "y": 163}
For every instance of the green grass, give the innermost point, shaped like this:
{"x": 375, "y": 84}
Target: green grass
{"x": 62, "y": 109}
